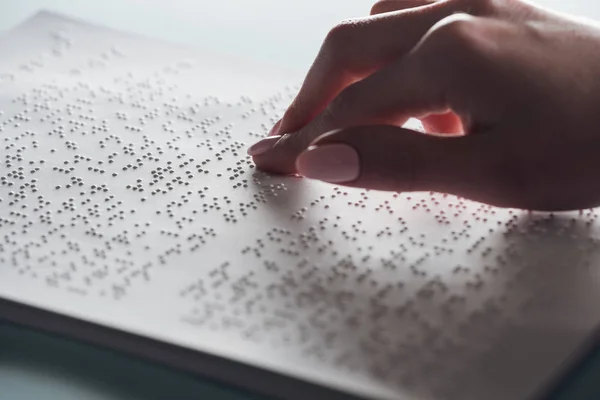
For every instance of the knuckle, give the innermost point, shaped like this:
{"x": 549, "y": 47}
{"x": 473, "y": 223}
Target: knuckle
{"x": 343, "y": 31}
{"x": 455, "y": 31}
{"x": 459, "y": 37}
{"x": 377, "y": 7}
{"x": 380, "y": 6}
{"x": 341, "y": 38}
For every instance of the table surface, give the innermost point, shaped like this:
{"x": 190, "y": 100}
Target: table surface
{"x": 38, "y": 366}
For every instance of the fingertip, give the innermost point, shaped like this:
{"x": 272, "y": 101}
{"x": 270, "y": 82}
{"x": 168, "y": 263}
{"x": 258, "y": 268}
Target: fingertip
{"x": 272, "y": 165}
{"x": 263, "y": 146}
{"x": 280, "y": 156}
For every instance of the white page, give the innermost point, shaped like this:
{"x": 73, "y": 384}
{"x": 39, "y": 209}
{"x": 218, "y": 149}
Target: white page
{"x": 410, "y": 296}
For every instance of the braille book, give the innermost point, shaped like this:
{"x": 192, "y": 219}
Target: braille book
{"x": 131, "y": 217}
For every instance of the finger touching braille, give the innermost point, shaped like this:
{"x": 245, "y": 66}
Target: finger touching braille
{"x": 387, "y": 97}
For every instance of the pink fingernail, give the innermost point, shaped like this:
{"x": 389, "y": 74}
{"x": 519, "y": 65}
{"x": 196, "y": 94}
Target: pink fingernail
{"x": 263, "y": 145}
{"x": 334, "y": 163}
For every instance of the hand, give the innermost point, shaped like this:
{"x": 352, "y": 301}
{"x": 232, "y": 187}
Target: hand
{"x": 508, "y": 93}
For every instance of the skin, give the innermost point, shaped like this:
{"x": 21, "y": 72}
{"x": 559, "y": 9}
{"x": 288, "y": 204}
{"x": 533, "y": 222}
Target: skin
{"x": 508, "y": 93}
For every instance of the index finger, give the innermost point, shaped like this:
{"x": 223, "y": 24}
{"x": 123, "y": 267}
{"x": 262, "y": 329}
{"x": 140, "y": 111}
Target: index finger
{"x": 354, "y": 49}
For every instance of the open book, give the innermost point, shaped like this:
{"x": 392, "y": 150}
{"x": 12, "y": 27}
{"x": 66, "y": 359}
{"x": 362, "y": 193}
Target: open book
{"x": 131, "y": 217}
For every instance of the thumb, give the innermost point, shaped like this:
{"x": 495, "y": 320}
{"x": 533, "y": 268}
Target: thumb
{"x": 396, "y": 159}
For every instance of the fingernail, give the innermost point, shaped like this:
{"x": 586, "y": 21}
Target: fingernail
{"x": 275, "y": 129}
{"x": 334, "y": 163}
{"x": 263, "y": 145}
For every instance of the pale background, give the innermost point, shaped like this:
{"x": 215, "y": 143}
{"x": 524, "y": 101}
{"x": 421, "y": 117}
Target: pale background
{"x": 287, "y": 33}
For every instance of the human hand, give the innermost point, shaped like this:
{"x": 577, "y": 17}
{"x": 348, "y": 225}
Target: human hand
{"x": 508, "y": 93}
